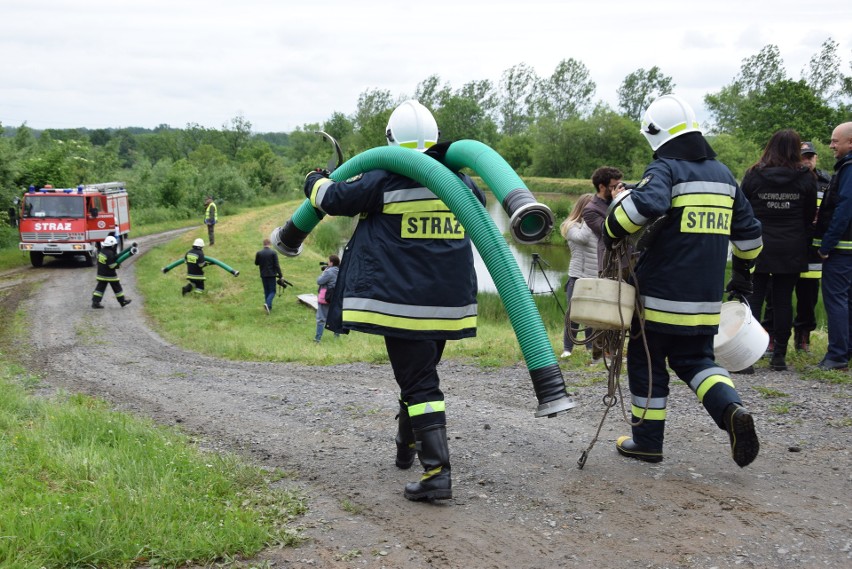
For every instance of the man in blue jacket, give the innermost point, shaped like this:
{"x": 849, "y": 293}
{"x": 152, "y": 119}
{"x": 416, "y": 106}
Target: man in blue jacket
{"x": 834, "y": 226}
{"x": 407, "y": 274}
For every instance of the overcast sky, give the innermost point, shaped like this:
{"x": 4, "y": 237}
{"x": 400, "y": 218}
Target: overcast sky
{"x": 282, "y": 64}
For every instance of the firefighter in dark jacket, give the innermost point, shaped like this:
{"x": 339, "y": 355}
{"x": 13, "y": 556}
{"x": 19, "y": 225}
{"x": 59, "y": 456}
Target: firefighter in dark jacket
{"x": 407, "y": 274}
{"x": 107, "y": 274}
{"x": 195, "y": 263}
{"x": 680, "y": 279}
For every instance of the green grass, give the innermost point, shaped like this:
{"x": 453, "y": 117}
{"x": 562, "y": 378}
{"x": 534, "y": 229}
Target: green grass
{"x": 83, "y": 486}
{"x": 229, "y": 321}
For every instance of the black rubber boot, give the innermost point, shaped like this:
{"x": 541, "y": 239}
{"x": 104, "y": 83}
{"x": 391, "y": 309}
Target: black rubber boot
{"x": 97, "y": 304}
{"x": 740, "y": 426}
{"x": 124, "y": 302}
{"x": 186, "y": 289}
{"x": 779, "y": 359}
{"x": 434, "y": 454}
{"x": 406, "y": 446}
{"x": 627, "y": 447}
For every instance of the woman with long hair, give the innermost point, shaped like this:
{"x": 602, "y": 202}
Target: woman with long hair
{"x": 783, "y": 193}
{"x": 583, "y": 244}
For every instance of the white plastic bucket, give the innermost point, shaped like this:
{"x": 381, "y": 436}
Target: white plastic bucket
{"x": 741, "y": 339}
{"x": 603, "y": 304}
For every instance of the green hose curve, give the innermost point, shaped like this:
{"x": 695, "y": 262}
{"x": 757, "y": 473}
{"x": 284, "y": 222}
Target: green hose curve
{"x": 126, "y": 254}
{"x": 529, "y": 221}
{"x": 219, "y": 263}
{"x": 526, "y": 321}
{"x": 171, "y": 266}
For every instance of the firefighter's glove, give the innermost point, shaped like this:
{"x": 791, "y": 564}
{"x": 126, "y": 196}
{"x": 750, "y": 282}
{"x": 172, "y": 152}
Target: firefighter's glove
{"x": 740, "y": 285}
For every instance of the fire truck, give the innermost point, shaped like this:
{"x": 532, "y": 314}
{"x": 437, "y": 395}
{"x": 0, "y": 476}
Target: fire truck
{"x": 72, "y": 221}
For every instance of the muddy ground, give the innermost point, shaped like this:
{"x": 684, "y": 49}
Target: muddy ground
{"x": 520, "y": 501}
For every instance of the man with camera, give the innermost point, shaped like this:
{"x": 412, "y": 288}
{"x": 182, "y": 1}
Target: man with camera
{"x": 270, "y": 270}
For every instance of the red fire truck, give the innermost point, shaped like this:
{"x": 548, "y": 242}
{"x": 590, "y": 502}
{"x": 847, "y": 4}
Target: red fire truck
{"x": 72, "y": 221}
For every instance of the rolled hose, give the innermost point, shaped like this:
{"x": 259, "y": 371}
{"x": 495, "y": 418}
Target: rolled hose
{"x": 529, "y": 221}
{"x": 545, "y": 373}
{"x": 127, "y": 253}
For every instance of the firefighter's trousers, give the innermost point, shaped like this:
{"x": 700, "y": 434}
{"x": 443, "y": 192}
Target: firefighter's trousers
{"x": 414, "y": 367}
{"x": 691, "y": 358}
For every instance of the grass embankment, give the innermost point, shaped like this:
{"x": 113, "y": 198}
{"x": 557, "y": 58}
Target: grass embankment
{"x": 83, "y": 486}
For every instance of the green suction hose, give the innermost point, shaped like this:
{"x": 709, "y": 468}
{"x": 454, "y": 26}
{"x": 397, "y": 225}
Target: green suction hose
{"x": 219, "y": 263}
{"x": 171, "y": 266}
{"x": 127, "y": 253}
{"x": 529, "y": 221}
{"x": 544, "y": 370}
{"x": 216, "y": 262}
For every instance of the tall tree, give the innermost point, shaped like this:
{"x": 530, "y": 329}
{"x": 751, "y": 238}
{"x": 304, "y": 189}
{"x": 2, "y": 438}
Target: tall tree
{"x": 756, "y": 73}
{"x": 640, "y": 88}
{"x": 785, "y": 104}
{"x": 822, "y": 73}
{"x": 567, "y": 93}
{"x": 371, "y": 117}
{"x": 431, "y": 94}
{"x": 516, "y": 92}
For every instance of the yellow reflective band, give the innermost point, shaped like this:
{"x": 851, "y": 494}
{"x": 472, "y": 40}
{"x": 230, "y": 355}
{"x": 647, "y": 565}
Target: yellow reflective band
{"x": 317, "y": 185}
{"x": 426, "y": 408}
{"x": 403, "y": 323}
{"x": 747, "y": 255}
{"x": 414, "y": 206}
{"x": 431, "y": 226}
{"x": 624, "y": 221}
{"x": 681, "y": 319}
{"x": 844, "y": 245}
{"x": 706, "y": 220}
{"x": 651, "y": 415}
{"x": 811, "y": 275}
{"x": 427, "y": 144}
{"x": 707, "y": 200}
{"x": 708, "y": 383}
{"x": 430, "y": 473}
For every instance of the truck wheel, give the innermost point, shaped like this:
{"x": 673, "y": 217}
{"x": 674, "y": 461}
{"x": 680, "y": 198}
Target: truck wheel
{"x": 36, "y": 258}
{"x": 90, "y": 258}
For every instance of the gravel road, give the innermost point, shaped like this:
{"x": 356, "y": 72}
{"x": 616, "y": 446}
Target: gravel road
{"x": 520, "y": 499}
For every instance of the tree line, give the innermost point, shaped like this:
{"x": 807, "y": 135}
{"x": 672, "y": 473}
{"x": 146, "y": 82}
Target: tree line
{"x": 543, "y": 127}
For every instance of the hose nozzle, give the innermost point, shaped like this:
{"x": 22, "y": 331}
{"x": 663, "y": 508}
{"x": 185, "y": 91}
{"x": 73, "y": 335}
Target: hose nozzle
{"x": 288, "y": 239}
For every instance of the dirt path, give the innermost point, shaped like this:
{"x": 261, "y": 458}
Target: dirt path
{"x": 520, "y": 500}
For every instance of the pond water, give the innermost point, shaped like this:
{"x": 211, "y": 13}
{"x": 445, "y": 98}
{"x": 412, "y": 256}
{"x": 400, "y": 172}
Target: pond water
{"x": 550, "y": 270}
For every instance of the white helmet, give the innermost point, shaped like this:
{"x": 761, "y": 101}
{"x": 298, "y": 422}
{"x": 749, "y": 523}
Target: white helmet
{"x": 198, "y": 242}
{"x": 666, "y": 118}
{"x": 411, "y": 125}
{"x": 109, "y": 241}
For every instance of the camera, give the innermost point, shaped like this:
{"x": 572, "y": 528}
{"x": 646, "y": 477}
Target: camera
{"x": 323, "y": 264}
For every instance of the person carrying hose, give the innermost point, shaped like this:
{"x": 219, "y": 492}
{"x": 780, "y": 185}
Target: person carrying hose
{"x": 408, "y": 275}
{"x": 195, "y": 263}
{"x": 107, "y": 275}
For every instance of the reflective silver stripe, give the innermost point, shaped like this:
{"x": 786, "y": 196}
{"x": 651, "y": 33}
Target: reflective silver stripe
{"x": 748, "y": 244}
{"x": 409, "y": 195}
{"x": 409, "y": 311}
{"x": 718, "y": 188}
{"x": 681, "y": 307}
{"x": 699, "y": 378}
{"x": 630, "y": 210}
{"x": 655, "y": 402}
{"x": 320, "y": 193}
{"x": 817, "y": 267}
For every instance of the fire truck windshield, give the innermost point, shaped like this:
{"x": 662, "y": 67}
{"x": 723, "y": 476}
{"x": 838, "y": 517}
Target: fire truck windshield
{"x": 53, "y": 206}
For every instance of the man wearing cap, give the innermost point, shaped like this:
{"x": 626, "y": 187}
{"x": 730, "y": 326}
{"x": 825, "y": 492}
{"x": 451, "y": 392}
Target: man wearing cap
{"x": 834, "y": 242}
{"x": 807, "y": 287}
{"x": 211, "y": 216}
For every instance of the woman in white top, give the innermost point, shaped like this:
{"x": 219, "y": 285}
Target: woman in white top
{"x": 583, "y": 244}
